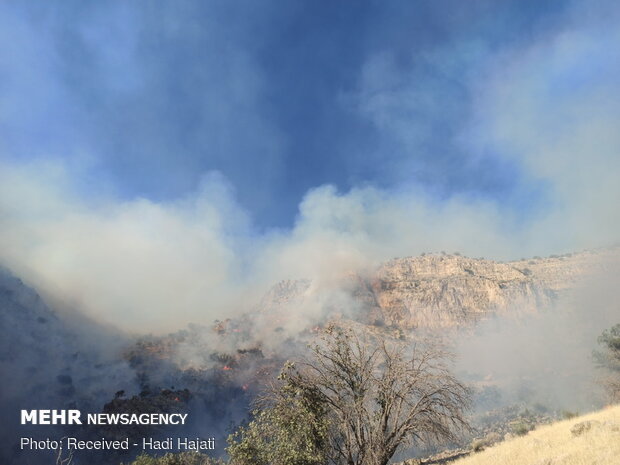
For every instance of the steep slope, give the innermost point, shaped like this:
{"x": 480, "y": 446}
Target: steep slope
{"x": 33, "y": 342}
{"x": 440, "y": 290}
{"x": 44, "y": 358}
{"x": 450, "y": 290}
{"x": 45, "y": 364}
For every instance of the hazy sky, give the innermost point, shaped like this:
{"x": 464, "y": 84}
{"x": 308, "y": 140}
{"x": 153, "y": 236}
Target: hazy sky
{"x": 279, "y": 96}
{"x": 208, "y": 143}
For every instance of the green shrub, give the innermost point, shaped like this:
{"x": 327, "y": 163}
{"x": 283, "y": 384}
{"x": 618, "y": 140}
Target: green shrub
{"x": 181, "y": 458}
{"x": 292, "y": 431}
{"x": 567, "y": 414}
{"x": 521, "y": 428}
{"x": 608, "y": 358}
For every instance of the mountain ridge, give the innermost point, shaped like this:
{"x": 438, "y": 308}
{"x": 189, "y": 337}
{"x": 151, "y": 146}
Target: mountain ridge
{"x": 441, "y": 290}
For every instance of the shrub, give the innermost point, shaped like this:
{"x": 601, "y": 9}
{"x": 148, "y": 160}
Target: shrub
{"x": 181, "y": 458}
{"x": 480, "y": 444}
{"x": 540, "y": 408}
{"x": 289, "y": 428}
{"x": 567, "y": 414}
{"x": 521, "y": 428}
{"x": 608, "y": 358}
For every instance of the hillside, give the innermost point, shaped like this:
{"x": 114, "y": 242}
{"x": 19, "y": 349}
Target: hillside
{"x": 588, "y": 439}
{"x": 50, "y": 360}
{"x": 438, "y": 290}
{"x": 60, "y": 359}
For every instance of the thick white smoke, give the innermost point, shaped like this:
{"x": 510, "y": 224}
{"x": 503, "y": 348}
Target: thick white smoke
{"x": 551, "y": 106}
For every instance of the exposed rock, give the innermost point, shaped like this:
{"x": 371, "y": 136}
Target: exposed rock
{"x": 445, "y": 291}
{"x": 439, "y": 290}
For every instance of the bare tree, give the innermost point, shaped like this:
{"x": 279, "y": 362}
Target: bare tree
{"x": 376, "y": 396}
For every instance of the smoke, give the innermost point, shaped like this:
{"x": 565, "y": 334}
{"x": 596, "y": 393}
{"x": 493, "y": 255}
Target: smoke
{"x": 545, "y": 358}
{"x": 502, "y": 150}
{"x": 140, "y": 264}
{"x": 543, "y": 110}
{"x": 144, "y": 265}
{"x": 552, "y": 106}
{"x": 121, "y": 261}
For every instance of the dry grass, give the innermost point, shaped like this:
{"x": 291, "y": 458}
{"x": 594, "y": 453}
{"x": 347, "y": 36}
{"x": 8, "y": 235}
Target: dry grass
{"x": 556, "y": 445}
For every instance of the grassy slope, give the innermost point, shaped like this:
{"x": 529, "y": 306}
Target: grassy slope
{"x": 555, "y": 444}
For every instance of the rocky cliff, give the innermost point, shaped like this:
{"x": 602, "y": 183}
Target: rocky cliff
{"x": 440, "y": 290}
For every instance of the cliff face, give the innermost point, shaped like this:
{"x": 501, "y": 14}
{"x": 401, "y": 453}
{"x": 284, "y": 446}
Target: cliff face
{"x": 442, "y": 291}
{"x": 448, "y": 290}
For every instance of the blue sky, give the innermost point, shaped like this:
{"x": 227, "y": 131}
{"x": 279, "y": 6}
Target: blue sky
{"x": 274, "y": 95}
{"x": 186, "y": 155}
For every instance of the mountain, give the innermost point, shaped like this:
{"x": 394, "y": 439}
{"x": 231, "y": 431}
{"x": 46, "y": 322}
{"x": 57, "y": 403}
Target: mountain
{"x": 62, "y": 360}
{"x": 439, "y": 290}
{"x": 47, "y": 361}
